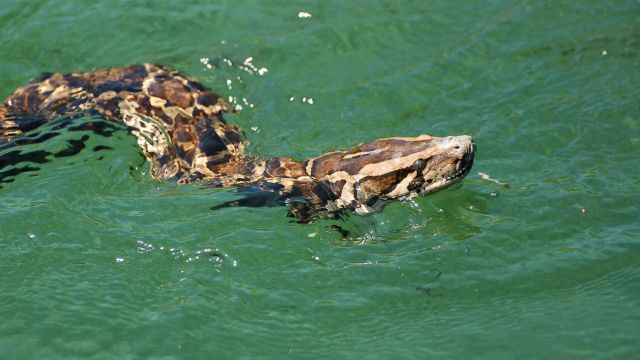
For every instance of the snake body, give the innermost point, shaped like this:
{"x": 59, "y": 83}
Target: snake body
{"x": 179, "y": 125}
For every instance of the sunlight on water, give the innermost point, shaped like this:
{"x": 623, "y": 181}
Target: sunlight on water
{"x": 535, "y": 253}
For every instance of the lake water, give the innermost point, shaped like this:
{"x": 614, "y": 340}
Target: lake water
{"x": 98, "y": 260}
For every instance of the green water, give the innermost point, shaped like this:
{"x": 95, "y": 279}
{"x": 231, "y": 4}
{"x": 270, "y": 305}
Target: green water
{"x": 98, "y": 260}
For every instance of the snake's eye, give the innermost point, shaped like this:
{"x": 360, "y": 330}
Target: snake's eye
{"x": 419, "y": 165}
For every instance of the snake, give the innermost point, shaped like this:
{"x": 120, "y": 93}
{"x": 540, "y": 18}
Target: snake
{"x": 180, "y": 127}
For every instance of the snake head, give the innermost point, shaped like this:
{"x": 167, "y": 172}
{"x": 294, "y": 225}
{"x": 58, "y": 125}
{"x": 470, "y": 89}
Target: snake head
{"x": 368, "y": 176}
{"x": 360, "y": 180}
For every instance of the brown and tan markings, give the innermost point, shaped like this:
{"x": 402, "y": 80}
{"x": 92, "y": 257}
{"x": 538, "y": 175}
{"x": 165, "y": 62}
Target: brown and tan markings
{"x": 179, "y": 125}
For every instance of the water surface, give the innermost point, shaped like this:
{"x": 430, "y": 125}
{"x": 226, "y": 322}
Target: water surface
{"x": 98, "y": 260}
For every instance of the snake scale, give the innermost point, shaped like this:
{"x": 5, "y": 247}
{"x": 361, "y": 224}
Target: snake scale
{"x": 179, "y": 125}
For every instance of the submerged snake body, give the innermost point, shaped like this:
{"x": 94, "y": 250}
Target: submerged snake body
{"x": 180, "y": 127}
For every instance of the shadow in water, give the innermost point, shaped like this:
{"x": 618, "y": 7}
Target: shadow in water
{"x": 16, "y": 157}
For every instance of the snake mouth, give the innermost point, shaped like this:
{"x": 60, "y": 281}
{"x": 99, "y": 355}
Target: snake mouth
{"x": 466, "y": 164}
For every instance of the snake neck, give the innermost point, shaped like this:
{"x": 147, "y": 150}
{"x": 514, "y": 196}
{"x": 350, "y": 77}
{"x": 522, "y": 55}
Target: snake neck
{"x": 248, "y": 168}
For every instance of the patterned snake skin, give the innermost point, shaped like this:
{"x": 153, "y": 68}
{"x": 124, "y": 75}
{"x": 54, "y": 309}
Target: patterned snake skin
{"x": 179, "y": 125}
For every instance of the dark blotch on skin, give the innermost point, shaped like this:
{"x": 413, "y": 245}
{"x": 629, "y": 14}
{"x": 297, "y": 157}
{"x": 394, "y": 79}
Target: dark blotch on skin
{"x": 75, "y": 104}
{"x": 187, "y": 154}
{"x": 233, "y": 136}
{"x": 163, "y": 160}
{"x": 272, "y": 167}
{"x": 171, "y": 90}
{"x": 326, "y": 164}
{"x": 32, "y": 100}
{"x": 75, "y": 82}
{"x": 183, "y": 135}
{"x": 137, "y": 71}
{"x": 218, "y": 161}
{"x": 162, "y": 116}
{"x": 211, "y": 143}
{"x": 337, "y": 187}
{"x": 384, "y": 183}
{"x": 323, "y": 191}
{"x": 416, "y": 183}
{"x": 117, "y": 86}
{"x": 207, "y": 99}
{"x": 29, "y": 122}
{"x": 196, "y": 85}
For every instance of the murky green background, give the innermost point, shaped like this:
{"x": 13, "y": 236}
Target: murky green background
{"x": 98, "y": 260}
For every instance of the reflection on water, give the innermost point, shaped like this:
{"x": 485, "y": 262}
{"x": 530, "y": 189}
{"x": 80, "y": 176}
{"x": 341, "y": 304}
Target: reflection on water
{"x": 99, "y": 260}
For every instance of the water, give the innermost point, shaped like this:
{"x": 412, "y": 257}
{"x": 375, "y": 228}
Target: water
{"x": 98, "y": 260}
